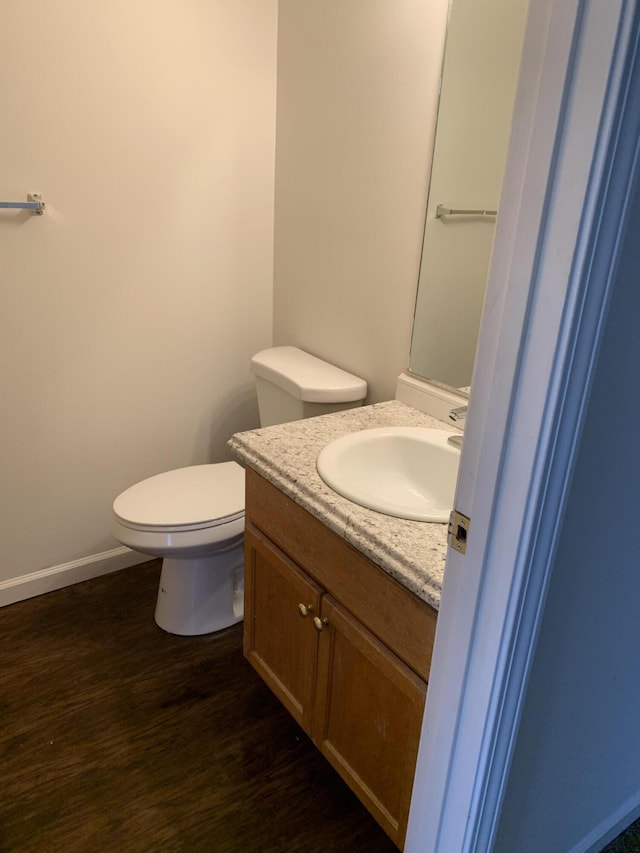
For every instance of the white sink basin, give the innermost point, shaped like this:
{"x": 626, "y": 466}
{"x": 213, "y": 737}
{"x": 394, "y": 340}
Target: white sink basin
{"x": 407, "y": 472}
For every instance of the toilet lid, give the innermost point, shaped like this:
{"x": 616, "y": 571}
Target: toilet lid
{"x": 200, "y": 494}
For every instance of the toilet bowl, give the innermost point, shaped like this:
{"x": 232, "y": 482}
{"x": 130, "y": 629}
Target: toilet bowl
{"x": 194, "y": 517}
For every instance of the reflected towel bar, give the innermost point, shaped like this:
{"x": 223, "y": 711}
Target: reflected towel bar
{"x": 34, "y": 203}
{"x": 441, "y": 211}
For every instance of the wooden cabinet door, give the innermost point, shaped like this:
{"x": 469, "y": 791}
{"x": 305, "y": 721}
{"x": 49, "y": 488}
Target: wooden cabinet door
{"x": 368, "y": 715}
{"x": 279, "y": 640}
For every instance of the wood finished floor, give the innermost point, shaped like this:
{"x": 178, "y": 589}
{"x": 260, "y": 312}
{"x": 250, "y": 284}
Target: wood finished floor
{"x": 115, "y": 736}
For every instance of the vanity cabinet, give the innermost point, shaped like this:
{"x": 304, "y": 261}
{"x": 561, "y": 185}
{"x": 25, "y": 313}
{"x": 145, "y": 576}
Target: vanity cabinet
{"x": 343, "y": 645}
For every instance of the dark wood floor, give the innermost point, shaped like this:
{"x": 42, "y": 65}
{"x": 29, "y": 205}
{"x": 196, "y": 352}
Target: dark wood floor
{"x": 628, "y": 842}
{"x": 115, "y": 736}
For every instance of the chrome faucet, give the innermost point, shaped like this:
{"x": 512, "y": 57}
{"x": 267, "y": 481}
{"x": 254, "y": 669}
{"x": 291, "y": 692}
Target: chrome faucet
{"x": 458, "y": 414}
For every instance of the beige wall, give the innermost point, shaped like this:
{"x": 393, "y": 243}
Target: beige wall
{"x": 131, "y": 309}
{"x": 357, "y": 92}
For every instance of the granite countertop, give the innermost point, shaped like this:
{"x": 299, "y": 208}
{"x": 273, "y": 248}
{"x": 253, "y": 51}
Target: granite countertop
{"x": 413, "y": 552}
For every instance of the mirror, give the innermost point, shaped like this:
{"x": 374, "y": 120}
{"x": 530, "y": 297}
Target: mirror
{"x": 479, "y": 76}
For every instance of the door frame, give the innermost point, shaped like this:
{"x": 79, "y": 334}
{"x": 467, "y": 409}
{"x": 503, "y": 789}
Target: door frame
{"x": 561, "y": 215}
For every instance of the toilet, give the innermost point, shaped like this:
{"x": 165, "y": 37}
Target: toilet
{"x": 194, "y": 517}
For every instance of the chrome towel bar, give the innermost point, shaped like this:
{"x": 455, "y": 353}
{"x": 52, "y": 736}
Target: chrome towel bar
{"x": 34, "y": 203}
{"x": 441, "y": 211}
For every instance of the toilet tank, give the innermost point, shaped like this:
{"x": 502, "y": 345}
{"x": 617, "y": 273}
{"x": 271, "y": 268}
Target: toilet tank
{"x": 291, "y": 384}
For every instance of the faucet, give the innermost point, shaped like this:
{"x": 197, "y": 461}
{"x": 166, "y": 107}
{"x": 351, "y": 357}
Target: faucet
{"x": 458, "y": 414}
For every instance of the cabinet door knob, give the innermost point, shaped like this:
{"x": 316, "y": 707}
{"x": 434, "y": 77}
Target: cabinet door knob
{"x": 305, "y": 609}
{"x": 319, "y": 624}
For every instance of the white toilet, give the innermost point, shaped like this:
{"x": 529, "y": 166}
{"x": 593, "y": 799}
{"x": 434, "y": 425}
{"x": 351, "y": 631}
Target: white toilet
{"x": 194, "y": 517}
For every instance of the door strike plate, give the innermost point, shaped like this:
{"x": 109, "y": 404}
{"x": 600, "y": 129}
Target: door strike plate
{"x": 458, "y": 531}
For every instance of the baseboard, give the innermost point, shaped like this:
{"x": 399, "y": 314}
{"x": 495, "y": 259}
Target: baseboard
{"x": 66, "y": 574}
{"x": 611, "y": 827}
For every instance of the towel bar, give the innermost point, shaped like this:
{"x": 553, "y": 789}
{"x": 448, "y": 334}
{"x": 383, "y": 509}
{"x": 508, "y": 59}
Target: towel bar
{"x": 34, "y": 203}
{"x": 441, "y": 211}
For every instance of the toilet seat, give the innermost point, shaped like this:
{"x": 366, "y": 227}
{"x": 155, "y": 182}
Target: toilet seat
{"x": 198, "y": 497}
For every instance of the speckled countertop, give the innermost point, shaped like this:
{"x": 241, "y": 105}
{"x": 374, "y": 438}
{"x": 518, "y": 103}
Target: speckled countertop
{"x": 413, "y": 552}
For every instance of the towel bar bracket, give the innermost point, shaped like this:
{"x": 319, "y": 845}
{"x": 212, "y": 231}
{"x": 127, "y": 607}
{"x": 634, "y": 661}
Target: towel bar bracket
{"x": 33, "y": 203}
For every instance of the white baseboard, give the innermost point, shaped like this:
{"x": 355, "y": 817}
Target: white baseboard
{"x": 610, "y": 828}
{"x": 66, "y": 574}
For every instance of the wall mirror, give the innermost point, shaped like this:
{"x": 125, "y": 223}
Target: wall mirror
{"x": 479, "y": 76}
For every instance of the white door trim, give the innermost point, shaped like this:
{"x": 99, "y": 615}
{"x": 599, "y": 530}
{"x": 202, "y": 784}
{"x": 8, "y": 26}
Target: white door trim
{"x": 525, "y": 414}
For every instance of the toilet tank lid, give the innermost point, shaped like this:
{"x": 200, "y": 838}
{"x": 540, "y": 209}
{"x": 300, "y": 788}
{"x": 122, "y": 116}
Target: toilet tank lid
{"x": 306, "y": 377}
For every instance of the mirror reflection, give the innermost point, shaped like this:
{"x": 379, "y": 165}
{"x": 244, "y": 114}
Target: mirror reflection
{"x": 479, "y": 76}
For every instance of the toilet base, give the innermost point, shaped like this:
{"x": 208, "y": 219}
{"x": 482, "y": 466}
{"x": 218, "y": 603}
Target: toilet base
{"x": 201, "y": 595}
